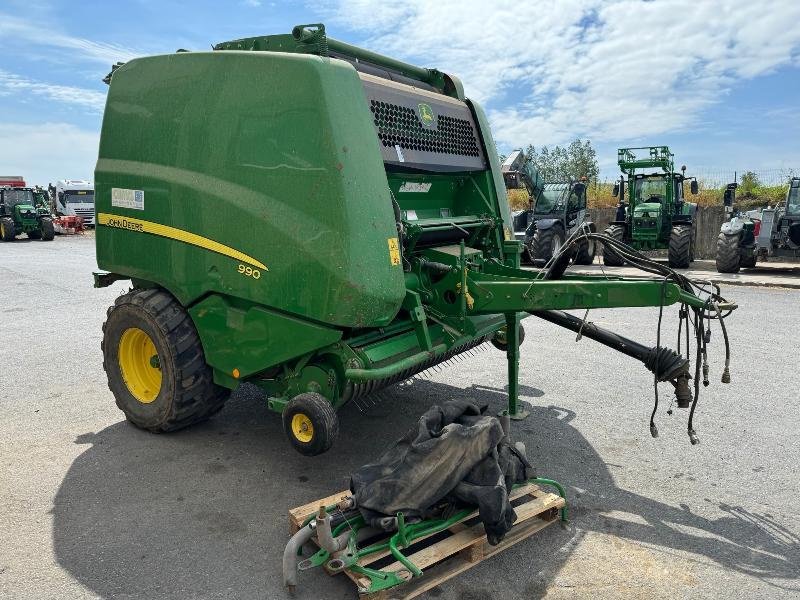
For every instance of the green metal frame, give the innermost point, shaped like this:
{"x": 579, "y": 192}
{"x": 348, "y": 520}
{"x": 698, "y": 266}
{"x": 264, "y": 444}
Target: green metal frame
{"x": 403, "y": 538}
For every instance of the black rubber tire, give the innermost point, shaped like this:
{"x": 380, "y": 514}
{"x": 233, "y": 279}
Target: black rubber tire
{"x": 188, "y": 393}
{"x": 525, "y": 257}
{"x": 611, "y": 258}
{"x": 323, "y": 419}
{"x": 542, "y": 243}
{"x": 8, "y": 231}
{"x": 680, "y": 247}
{"x": 585, "y": 253}
{"x": 748, "y": 262}
{"x": 35, "y": 235}
{"x": 729, "y": 256}
{"x": 48, "y": 230}
{"x": 501, "y": 345}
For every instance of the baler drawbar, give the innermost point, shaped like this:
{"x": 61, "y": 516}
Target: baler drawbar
{"x": 323, "y": 221}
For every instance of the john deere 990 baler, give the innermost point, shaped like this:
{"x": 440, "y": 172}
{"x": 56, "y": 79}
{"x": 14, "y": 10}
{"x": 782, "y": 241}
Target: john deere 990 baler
{"x": 321, "y": 221}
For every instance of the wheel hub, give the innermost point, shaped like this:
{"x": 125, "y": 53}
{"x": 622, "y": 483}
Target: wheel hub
{"x": 302, "y": 428}
{"x": 139, "y": 365}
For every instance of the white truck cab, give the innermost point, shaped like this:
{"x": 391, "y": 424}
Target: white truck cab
{"x": 74, "y": 197}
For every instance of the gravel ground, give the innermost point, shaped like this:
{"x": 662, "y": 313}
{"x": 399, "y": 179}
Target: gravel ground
{"x": 94, "y": 508}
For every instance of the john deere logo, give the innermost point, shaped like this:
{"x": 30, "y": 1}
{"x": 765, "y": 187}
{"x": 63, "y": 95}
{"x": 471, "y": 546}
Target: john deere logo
{"x": 425, "y": 114}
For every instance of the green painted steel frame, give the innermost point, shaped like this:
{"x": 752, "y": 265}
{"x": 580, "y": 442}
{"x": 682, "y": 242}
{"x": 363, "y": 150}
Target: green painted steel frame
{"x": 403, "y": 538}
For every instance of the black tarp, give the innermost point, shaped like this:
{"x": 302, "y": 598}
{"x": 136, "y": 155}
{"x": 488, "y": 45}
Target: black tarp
{"x": 457, "y": 454}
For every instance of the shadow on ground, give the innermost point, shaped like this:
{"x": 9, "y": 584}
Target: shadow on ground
{"x": 202, "y": 513}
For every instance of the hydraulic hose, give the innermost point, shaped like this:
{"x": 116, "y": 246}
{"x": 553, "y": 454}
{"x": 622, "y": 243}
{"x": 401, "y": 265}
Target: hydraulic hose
{"x": 726, "y": 374}
{"x": 663, "y": 362}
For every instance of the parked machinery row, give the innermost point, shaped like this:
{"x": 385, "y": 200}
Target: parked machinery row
{"x": 40, "y": 213}
{"x": 747, "y": 237}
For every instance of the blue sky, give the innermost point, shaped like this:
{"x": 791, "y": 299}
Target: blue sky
{"x": 718, "y": 81}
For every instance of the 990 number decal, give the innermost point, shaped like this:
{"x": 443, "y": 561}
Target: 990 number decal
{"x": 249, "y": 271}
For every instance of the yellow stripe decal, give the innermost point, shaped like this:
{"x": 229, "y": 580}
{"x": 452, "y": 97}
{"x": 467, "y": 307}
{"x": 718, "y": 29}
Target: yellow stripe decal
{"x": 142, "y": 226}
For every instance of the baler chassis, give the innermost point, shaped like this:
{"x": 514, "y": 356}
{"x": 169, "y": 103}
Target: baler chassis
{"x": 397, "y": 256}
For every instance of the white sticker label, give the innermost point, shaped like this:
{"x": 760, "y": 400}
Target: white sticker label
{"x": 411, "y": 215}
{"x": 411, "y": 186}
{"x": 124, "y": 198}
{"x": 399, "y": 151}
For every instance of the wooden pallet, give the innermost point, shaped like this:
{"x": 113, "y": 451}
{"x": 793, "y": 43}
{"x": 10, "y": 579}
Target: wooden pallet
{"x": 446, "y": 554}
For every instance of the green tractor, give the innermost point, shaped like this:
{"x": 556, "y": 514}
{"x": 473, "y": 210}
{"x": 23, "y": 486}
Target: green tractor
{"x": 320, "y": 221}
{"x": 656, "y": 215}
{"x": 21, "y": 212}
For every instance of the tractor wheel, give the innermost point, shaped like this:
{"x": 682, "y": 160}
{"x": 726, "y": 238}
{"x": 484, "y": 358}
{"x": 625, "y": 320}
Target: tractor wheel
{"x": 155, "y": 363}
{"x": 499, "y": 338}
{"x": 7, "y": 230}
{"x": 748, "y": 262}
{"x": 585, "y": 253}
{"x": 48, "y": 231}
{"x": 546, "y": 243}
{"x": 310, "y": 423}
{"x": 611, "y": 258}
{"x": 729, "y": 257}
{"x": 680, "y": 247}
{"x": 35, "y": 235}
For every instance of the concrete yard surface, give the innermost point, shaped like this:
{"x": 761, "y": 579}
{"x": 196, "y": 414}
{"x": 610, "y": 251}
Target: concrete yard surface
{"x": 766, "y": 274}
{"x": 95, "y": 508}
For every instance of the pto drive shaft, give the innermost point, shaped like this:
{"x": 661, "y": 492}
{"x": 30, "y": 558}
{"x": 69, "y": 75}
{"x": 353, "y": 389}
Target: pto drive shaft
{"x": 666, "y": 364}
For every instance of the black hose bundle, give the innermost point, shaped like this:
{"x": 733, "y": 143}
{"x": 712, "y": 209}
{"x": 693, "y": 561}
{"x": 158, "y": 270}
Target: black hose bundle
{"x": 663, "y": 361}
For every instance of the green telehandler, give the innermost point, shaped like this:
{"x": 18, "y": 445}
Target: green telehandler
{"x": 556, "y": 210}
{"x": 21, "y": 212}
{"x": 321, "y": 221}
{"x": 656, "y": 215}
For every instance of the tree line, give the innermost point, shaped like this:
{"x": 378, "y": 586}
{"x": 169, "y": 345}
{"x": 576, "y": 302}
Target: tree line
{"x": 564, "y": 163}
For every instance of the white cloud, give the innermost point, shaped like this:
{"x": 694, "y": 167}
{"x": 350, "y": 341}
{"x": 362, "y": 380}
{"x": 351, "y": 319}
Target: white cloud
{"x": 14, "y": 29}
{"x": 45, "y": 152}
{"x": 23, "y": 87}
{"x": 607, "y": 69}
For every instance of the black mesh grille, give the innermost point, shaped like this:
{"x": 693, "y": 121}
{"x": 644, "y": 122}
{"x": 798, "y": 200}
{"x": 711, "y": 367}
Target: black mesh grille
{"x": 400, "y": 126}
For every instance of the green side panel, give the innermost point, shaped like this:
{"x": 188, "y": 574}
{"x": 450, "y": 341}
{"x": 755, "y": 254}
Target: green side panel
{"x": 253, "y": 338}
{"x": 273, "y": 156}
{"x": 500, "y": 195}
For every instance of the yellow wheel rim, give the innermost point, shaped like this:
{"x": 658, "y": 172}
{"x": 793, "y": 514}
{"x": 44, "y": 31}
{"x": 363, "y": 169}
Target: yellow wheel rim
{"x": 139, "y": 365}
{"x": 302, "y": 428}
